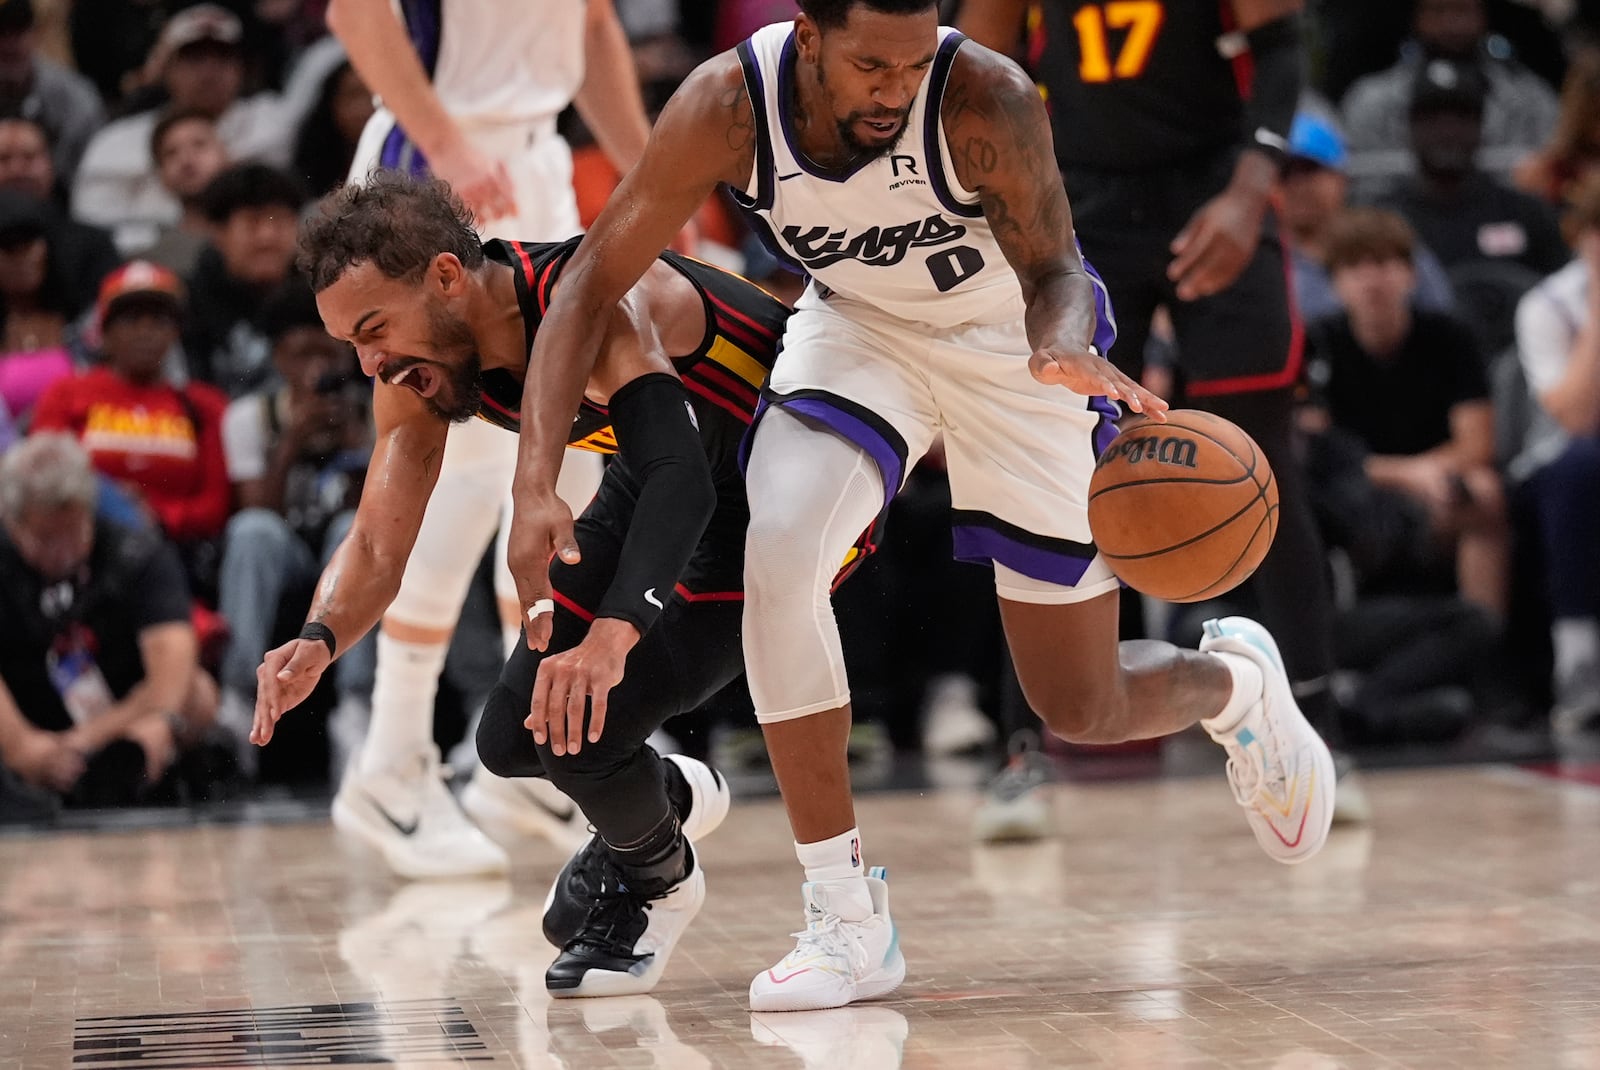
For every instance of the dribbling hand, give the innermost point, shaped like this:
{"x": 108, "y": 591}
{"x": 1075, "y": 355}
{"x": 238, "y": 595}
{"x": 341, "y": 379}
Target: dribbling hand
{"x": 540, "y": 529}
{"x": 285, "y": 677}
{"x": 1085, "y": 372}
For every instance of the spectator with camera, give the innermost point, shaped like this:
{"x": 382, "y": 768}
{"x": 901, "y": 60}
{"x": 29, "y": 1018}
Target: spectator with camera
{"x": 101, "y": 693}
{"x": 297, "y": 455}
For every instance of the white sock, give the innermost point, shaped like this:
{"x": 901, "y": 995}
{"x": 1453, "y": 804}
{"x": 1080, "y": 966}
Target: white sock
{"x": 1577, "y": 644}
{"x": 402, "y": 702}
{"x": 837, "y": 862}
{"x": 1248, "y": 684}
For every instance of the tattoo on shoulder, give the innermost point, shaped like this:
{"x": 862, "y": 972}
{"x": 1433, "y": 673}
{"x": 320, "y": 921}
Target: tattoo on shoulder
{"x": 741, "y": 120}
{"x": 1000, "y": 144}
{"x": 431, "y": 461}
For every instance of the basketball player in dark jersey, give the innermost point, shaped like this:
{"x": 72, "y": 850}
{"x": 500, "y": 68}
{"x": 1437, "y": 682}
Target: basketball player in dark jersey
{"x": 648, "y": 621}
{"x": 1171, "y": 118}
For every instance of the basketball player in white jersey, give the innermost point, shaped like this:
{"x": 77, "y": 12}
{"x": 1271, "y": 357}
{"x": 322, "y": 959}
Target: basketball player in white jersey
{"x": 912, "y": 174}
{"x": 470, "y": 91}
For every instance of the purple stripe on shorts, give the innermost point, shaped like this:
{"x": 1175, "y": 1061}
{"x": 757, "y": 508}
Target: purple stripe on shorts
{"x": 1106, "y": 429}
{"x": 1105, "y": 327}
{"x": 858, "y": 431}
{"x": 398, "y": 153}
{"x": 981, "y": 544}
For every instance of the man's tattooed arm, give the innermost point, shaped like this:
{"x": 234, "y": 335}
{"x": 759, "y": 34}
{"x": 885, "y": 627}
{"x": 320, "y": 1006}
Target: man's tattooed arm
{"x": 1001, "y": 148}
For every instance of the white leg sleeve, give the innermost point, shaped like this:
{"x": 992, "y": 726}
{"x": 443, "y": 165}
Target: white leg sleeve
{"x": 812, "y": 493}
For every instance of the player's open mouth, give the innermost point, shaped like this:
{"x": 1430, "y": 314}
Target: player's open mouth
{"x": 883, "y": 127}
{"x": 419, "y": 377}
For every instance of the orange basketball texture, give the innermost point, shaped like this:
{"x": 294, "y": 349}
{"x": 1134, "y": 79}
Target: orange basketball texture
{"x": 1184, "y": 510}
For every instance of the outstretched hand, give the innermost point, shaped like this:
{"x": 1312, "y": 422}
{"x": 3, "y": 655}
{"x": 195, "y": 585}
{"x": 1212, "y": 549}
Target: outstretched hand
{"x": 1086, "y": 372}
{"x": 284, "y": 679}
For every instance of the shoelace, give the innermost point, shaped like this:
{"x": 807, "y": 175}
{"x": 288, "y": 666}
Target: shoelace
{"x": 826, "y": 935}
{"x": 1249, "y": 770}
{"x": 614, "y": 904}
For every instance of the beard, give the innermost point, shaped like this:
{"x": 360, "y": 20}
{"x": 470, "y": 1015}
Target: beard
{"x": 460, "y": 396}
{"x": 865, "y": 150}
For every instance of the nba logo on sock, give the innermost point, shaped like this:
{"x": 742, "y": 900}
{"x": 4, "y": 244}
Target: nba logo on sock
{"x": 855, "y": 852}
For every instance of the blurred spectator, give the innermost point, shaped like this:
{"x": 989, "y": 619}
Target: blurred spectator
{"x": 81, "y": 254}
{"x": 253, "y": 211}
{"x": 8, "y": 427}
{"x": 161, "y": 444}
{"x": 100, "y": 686}
{"x": 112, "y": 44}
{"x": 1406, "y": 391}
{"x": 34, "y": 352}
{"x": 1558, "y": 339}
{"x": 1461, "y": 213}
{"x": 1314, "y": 189}
{"x": 296, "y": 458}
{"x": 328, "y": 135}
{"x": 1573, "y": 151}
{"x": 1519, "y": 112}
{"x": 188, "y": 153}
{"x": 202, "y": 68}
{"x": 62, "y": 102}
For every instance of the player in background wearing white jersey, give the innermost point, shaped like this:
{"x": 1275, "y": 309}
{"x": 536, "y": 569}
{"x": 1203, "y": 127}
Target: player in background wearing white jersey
{"x": 470, "y": 91}
{"x": 955, "y": 303}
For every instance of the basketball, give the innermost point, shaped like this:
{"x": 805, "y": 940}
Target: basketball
{"x": 1183, "y": 510}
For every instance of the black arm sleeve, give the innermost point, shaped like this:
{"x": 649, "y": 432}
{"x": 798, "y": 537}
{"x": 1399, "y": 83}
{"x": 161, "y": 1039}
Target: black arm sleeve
{"x": 658, "y": 440}
{"x": 1275, "y": 53}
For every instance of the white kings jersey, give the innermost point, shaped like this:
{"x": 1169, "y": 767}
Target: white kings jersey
{"x": 899, "y": 233}
{"x": 494, "y": 61}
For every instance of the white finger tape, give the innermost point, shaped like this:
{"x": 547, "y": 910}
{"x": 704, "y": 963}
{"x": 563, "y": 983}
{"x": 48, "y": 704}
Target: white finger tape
{"x": 541, "y": 607}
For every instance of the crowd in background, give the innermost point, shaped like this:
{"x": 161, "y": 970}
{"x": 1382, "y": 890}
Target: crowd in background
{"x": 183, "y": 444}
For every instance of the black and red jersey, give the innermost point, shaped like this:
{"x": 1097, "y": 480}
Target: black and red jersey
{"x": 1137, "y": 84}
{"x": 724, "y": 374}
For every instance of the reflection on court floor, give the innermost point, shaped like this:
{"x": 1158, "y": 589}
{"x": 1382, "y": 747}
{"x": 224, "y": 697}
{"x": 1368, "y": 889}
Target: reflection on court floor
{"x": 1462, "y": 930}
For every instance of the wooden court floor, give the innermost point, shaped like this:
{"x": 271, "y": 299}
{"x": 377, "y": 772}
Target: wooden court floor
{"x": 1462, "y": 930}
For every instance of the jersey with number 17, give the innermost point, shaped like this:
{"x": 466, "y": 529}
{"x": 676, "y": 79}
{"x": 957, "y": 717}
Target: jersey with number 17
{"x": 897, "y": 232}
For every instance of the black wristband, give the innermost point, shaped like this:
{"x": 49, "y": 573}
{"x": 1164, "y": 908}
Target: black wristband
{"x": 317, "y": 630}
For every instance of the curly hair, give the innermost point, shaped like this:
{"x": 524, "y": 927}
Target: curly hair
{"x": 391, "y": 220}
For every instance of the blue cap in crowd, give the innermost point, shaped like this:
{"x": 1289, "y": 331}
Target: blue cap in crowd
{"x": 1314, "y": 138}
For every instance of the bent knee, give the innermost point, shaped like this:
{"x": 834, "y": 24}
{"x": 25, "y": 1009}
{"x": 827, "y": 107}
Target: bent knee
{"x": 505, "y": 746}
{"x": 1080, "y": 715}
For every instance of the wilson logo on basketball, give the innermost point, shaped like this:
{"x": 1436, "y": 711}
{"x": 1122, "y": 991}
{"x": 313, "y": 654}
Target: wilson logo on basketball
{"x": 1174, "y": 451}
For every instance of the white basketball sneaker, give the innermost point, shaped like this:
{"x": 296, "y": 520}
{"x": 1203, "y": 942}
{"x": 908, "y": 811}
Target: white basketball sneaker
{"x": 1280, "y": 770}
{"x": 836, "y": 962}
{"x": 407, "y": 814}
{"x": 526, "y": 806}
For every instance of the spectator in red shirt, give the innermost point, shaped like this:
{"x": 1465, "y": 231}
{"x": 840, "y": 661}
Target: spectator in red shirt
{"x": 160, "y": 443}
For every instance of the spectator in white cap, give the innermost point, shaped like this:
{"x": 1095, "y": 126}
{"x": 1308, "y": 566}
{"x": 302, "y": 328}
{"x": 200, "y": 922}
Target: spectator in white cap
{"x": 201, "y": 66}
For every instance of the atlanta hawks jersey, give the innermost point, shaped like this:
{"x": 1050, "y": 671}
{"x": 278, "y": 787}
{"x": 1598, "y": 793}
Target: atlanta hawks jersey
{"x": 898, "y": 232}
{"x": 723, "y": 375}
{"x": 495, "y": 61}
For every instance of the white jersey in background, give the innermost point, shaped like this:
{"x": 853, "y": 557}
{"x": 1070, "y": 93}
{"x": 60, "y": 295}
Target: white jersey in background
{"x": 899, "y": 232}
{"x": 499, "y": 60}
{"x": 503, "y": 69}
